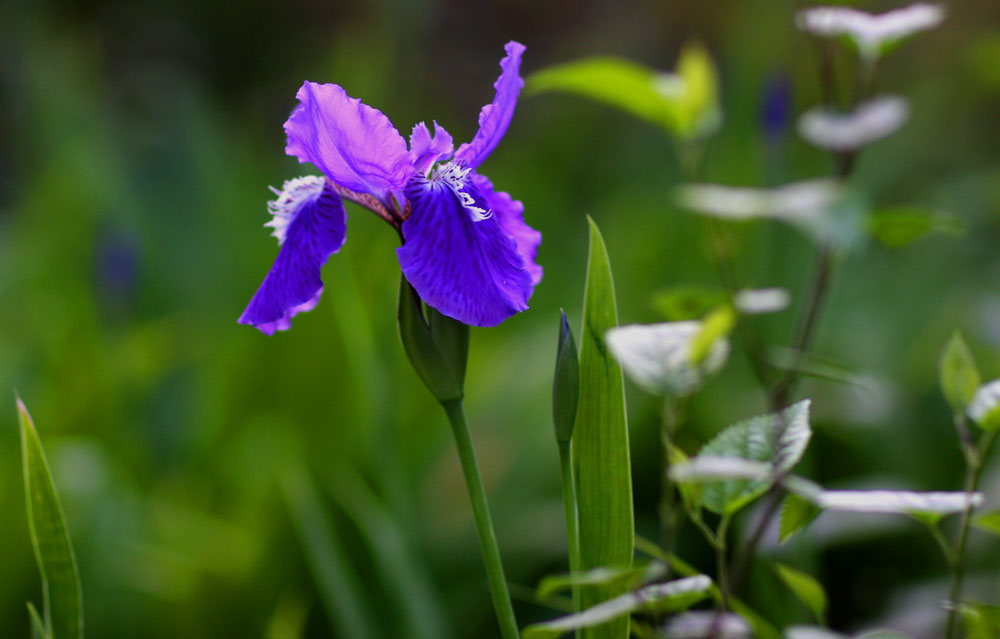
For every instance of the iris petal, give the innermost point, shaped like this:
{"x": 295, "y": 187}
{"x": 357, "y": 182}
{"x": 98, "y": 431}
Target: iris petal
{"x": 510, "y": 214}
{"x": 353, "y": 144}
{"x": 468, "y": 270}
{"x": 495, "y": 117}
{"x": 425, "y": 151}
{"x": 316, "y": 230}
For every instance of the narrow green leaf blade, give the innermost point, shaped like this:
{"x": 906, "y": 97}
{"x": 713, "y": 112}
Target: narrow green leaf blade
{"x": 441, "y": 368}
{"x": 37, "y": 625}
{"x": 63, "y": 609}
{"x": 959, "y": 376}
{"x": 566, "y": 384}
{"x": 796, "y": 513}
{"x": 808, "y": 590}
{"x": 600, "y": 442}
{"x": 338, "y": 585}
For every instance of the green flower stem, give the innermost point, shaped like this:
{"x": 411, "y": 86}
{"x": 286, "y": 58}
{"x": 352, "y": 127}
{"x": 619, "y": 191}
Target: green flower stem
{"x": 569, "y": 507}
{"x": 974, "y": 471}
{"x": 481, "y": 512}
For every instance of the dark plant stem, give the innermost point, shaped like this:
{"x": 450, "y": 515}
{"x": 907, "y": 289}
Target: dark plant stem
{"x": 975, "y": 463}
{"x": 481, "y": 513}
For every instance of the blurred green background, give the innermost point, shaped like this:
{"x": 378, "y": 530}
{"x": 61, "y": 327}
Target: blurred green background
{"x": 195, "y": 456}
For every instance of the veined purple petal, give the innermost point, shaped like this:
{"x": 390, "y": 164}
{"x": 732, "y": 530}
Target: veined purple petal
{"x": 310, "y": 223}
{"x": 425, "y": 151}
{"x": 469, "y": 270}
{"x": 353, "y": 144}
{"x": 510, "y": 214}
{"x": 495, "y": 117}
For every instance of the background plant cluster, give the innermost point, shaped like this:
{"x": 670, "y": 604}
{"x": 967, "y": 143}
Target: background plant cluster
{"x": 222, "y": 484}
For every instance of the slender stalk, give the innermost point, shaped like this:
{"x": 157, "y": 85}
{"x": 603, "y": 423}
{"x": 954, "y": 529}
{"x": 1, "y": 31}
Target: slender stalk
{"x": 973, "y": 473}
{"x": 668, "y": 501}
{"x": 481, "y": 513}
{"x": 721, "y": 563}
{"x": 569, "y": 507}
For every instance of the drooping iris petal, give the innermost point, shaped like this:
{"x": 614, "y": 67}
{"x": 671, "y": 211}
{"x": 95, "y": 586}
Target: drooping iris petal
{"x": 425, "y": 150}
{"x": 355, "y": 145}
{"x": 510, "y": 214}
{"x": 495, "y": 117}
{"x": 468, "y": 270}
{"x": 312, "y": 227}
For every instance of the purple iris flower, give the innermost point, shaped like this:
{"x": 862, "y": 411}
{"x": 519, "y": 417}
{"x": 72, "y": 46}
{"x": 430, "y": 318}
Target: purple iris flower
{"x": 466, "y": 249}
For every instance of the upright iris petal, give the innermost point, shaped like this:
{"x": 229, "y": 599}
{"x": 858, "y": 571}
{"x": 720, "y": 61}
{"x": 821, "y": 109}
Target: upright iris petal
{"x": 310, "y": 224}
{"x": 460, "y": 261}
{"x": 495, "y": 117}
{"x": 425, "y": 150}
{"x": 354, "y": 145}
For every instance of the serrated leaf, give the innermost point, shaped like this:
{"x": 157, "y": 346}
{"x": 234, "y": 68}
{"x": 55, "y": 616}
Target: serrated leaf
{"x": 897, "y": 227}
{"x": 805, "y": 588}
{"x": 958, "y": 374}
{"x": 666, "y": 597}
{"x": 797, "y": 512}
{"x": 566, "y": 383}
{"x": 688, "y": 302}
{"x": 600, "y": 443}
{"x": 628, "y": 577}
{"x": 776, "y": 438}
{"x": 63, "y": 604}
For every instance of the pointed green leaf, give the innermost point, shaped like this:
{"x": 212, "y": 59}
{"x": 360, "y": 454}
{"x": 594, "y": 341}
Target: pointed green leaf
{"x": 988, "y": 522}
{"x": 808, "y": 590}
{"x": 897, "y": 227}
{"x": 600, "y": 442}
{"x": 566, "y": 385}
{"x": 63, "y": 607}
{"x": 959, "y": 376}
{"x": 796, "y": 513}
{"x": 37, "y": 625}
{"x": 684, "y": 103}
{"x": 777, "y": 438}
{"x": 671, "y": 596}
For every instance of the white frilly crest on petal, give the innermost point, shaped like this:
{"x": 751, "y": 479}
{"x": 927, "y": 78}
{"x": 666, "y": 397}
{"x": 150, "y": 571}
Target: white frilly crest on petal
{"x": 290, "y": 198}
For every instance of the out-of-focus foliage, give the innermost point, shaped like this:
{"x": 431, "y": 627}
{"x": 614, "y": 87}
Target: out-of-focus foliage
{"x": 139, "y": 139}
